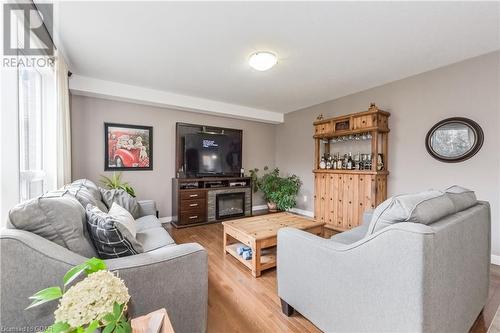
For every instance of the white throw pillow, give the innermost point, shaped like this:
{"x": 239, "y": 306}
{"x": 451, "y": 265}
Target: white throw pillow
{"x": 123, "y": 217}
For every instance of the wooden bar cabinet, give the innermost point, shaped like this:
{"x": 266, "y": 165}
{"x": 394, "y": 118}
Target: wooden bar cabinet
{"x": 341, "y": 196}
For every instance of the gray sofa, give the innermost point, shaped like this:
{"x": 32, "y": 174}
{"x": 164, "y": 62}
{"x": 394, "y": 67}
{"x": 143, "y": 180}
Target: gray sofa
{"x": 166, "y": 275}
{"x": 414, "y": 266}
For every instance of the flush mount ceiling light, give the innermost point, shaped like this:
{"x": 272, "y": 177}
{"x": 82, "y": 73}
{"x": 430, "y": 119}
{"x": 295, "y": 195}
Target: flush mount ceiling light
{"x": 262, "y": 60}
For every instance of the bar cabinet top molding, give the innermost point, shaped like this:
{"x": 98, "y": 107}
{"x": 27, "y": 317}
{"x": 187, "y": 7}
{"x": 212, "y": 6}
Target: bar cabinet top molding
{"x": 373, "y": 119}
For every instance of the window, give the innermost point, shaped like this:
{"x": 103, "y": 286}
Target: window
{"x": 37, "y": 128}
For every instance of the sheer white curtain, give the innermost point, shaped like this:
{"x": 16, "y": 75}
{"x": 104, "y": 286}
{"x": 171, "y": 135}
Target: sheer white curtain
{"x": 63, "y": 123}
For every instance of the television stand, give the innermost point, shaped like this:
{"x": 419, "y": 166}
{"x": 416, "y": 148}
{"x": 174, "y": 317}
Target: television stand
{"x": 203, "y": 200}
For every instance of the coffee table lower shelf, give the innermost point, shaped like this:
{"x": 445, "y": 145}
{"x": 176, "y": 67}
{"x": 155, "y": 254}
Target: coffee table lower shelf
{"x": 260, "y": 233}
{"x": 267, "y": 256}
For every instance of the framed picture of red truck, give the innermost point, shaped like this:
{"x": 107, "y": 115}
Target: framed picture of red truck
{"x": 128, "y": 147}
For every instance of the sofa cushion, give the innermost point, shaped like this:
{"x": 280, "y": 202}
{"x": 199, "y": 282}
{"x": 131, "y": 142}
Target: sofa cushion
{"x": 122, "y": 198}
{"x": 351, "y": 236}
{"x": 462, "y": 198}
{"x": 85, "y": 193}
{"x": 110, "y": 238}
{"x": 424, "y": 207}
{"x": 56, "y": 216}
{"x": 151, "y": 233}
{"x": 147, "y": 222}
{"x": 154, "y": 238}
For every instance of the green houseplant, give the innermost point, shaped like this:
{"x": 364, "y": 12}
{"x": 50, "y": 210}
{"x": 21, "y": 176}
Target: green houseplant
{"x": 115, "y": 182}
{"x": 279, "y": 192}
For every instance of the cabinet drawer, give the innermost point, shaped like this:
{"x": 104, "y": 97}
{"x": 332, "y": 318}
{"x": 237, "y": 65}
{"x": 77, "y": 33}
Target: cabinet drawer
{"x": 192, "y": 217}
{"x": 186, "y": 195}
{"x": 365, "y": 121}
{"x": 193, "y": 205}
{"x": 324, "y": 128}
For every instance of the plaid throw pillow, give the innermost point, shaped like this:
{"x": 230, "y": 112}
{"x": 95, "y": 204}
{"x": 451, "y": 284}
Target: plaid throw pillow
{"x": 111, "y": 239}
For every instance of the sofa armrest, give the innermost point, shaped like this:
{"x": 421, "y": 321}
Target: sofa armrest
{"x": 147, "y": 207}
{"x": 29, "y": 263}
{"x": 171, "y": 277}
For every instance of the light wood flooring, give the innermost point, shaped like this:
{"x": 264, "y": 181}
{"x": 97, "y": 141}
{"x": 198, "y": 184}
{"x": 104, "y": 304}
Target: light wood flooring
{"x": 238, "y": 302}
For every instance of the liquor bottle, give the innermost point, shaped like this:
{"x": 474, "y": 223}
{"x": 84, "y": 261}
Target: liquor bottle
{"x": 322, "y": 162}
{"x": 350, "y": 162}
{"x": 339, "y": 162}
{"x": 344, "y": 162}
{"x": 329, "y": 162}
{"x": 357, "y": 161}
{"x": 334, "y": 162}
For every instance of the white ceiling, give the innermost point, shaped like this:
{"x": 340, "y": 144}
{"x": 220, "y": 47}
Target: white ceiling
{"x": 326, "y": 49}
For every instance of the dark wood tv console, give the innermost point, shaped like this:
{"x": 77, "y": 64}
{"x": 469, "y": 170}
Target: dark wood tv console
{"x": 204, "y": 200}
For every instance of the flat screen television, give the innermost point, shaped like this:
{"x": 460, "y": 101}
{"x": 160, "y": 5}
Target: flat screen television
{"x": 208, "y": 154}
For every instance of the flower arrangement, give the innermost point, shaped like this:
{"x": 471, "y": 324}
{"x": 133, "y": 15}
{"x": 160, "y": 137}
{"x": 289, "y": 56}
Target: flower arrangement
{"x": 97, "y": 302}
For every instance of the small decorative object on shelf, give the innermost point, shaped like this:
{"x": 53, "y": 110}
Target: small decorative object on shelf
{"x": 97, "y": 302}
{"x": 373, "y": 107}
{"x": 380, "y": 162}
{"x": 320, "y": 117}
{"x": 322, "y": 163}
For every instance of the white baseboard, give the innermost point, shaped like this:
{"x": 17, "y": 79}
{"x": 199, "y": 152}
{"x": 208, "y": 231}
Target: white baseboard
{"x": 304, "y": 212}
{"x": 495, "y": 260}
{"x": 260, "y": 207}
{"x": 165, "y": 219}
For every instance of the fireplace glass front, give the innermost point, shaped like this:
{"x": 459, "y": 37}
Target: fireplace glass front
{"x": 230, "y": 205}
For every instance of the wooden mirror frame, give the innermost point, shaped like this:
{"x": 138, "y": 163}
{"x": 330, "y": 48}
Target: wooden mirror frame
{"x": 478, "y": 131}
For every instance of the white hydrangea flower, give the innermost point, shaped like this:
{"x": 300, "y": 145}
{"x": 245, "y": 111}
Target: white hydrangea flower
{"x": 91, "y": 299}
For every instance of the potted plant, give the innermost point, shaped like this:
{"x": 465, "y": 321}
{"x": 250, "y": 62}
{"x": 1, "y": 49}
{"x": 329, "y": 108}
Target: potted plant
{"x": 279, "y": 192}
{"x": 115, "y": 182}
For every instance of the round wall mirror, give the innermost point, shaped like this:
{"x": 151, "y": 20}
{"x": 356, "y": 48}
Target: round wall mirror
{"x": 454, "y": 139}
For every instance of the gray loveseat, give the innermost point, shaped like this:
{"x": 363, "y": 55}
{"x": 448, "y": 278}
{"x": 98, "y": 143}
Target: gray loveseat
{"x": 166, "y": 275}
{"x": 419, "y": 264}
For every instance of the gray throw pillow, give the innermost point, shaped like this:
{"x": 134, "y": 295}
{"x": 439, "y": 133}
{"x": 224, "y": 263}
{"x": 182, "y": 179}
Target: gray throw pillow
{"x": 122, "y": 198}
{"x": 424, "y": 207}
{"x": 111, "y": 239}
{"x": 56, "y": 216}
{"x": 462, "y": 198}
{"x": 84, "y": 192}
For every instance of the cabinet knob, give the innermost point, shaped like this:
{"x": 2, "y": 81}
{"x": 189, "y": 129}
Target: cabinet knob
{"x": 193, "y": 217}
{"x": 193, "y": 205}
{"x": 193, "y": 195}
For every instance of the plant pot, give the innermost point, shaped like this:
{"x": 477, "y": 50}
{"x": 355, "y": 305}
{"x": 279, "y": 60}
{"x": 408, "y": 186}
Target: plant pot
{"x": 271, "y": 206}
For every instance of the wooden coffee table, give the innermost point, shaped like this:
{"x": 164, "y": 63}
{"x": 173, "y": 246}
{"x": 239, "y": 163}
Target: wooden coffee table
{"x": 260, "y": 233}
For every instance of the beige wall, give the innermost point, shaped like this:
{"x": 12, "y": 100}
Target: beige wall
{"x": 89, "y": 115}
{"x": 470, "y": 89}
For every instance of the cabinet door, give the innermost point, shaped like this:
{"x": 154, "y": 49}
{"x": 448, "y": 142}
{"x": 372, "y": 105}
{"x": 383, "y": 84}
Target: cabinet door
{"x": 330, "y": 190}
{"x": 350, "y": 185}
{"x": 339, "y": 206}
{"x": 319, "y": 196}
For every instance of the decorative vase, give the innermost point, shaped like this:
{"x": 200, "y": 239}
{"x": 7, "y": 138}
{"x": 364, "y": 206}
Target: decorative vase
{"x": 271, "y": 206}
